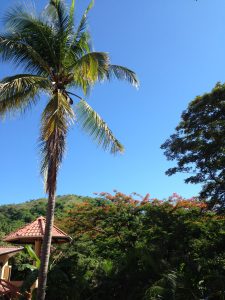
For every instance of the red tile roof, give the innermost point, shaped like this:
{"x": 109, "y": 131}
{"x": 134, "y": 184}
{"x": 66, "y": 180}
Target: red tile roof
{"x": 35, "y": 231}
{"x": 6, "y": 250}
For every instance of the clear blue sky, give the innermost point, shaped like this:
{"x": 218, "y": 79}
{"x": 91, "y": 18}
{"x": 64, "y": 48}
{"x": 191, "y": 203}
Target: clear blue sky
{"x": 177, "y": 49}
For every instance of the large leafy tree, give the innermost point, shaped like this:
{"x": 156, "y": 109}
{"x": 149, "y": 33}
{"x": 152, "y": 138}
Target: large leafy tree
{"x": 198, "y": 145}
{"x": 57, "y": 59}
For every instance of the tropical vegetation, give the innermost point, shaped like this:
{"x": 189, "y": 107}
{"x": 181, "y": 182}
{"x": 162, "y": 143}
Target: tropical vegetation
{"x": 131, "y": 247}
{"x": 56, "y": 59}
{"x": 123, "y": 246}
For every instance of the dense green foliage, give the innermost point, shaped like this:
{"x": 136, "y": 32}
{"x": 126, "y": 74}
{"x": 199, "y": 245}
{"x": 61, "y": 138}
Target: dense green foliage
{"x": 128, "y": 249}
{"x": 198, "y": 145}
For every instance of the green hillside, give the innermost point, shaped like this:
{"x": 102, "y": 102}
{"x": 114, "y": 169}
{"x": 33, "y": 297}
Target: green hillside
{"x": 13, "y": 216}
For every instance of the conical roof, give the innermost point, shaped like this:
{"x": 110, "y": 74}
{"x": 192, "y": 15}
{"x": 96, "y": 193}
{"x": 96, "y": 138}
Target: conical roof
{"x": 35, "y": 231}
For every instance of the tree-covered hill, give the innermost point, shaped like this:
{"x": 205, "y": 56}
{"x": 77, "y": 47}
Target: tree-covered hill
{"x": 13, "y": 216}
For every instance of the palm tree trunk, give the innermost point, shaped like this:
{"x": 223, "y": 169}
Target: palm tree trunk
{"x": 53, "y": 151}
{"x": 54, "y": 146}
{"x": 46, "y": 247}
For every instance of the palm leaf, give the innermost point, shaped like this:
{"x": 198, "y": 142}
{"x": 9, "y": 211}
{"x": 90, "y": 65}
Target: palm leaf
{"x": 83, "y": 22}
{"x": 92, "y": 123}
{"x": 123, "y": 73}
{"x": 63, "y": 27}
{"x": 31, "y": 31}
{"x": 21, "y": 54}
{"x": 19, "y": 92}
{"x": 81, "y": 46}
{"x": 72, "y": 9}
{"x": 81, "y": 32}
{"x": 61, "y": 21}
{"x": 15, "y": 17}
{"x": 90, "y": 68}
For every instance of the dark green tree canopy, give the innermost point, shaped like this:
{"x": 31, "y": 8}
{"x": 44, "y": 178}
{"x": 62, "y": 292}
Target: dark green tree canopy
{"x": 198, "y": 145}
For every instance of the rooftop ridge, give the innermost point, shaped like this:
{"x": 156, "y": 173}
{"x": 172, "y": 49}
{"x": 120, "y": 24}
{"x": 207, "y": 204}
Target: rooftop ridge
{"x": 41, "y": 220}
{"x": 35, "y": 231}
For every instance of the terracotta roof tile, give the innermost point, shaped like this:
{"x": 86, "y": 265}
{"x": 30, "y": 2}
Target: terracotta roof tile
{"x": 35, "y": 231}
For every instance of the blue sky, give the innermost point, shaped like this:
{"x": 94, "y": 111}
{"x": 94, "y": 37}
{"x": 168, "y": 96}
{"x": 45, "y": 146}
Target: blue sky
{"x": 177, "y": 49}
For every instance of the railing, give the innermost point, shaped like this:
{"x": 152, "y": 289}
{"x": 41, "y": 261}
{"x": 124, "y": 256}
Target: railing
{"x": 7, "y": 288}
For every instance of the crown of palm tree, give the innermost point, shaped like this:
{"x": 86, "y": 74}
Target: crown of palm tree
{"x": 56, "y": 58}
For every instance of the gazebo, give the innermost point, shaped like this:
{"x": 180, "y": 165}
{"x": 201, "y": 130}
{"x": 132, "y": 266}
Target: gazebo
{"x": 33, "y": 233}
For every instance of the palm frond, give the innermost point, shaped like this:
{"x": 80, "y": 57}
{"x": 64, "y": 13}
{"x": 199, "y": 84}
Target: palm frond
{"x": 21, "y": 54}
{"x": 62, "y": 19}
{"x": 72, "y": 9}
{"x": 56, "y": 119}
{"x": 90, "y": 68}
{"x": 92, "y": 123}
{"x": 83, "y": 22}
{"x": 81, "y": 46}
{"x": 31, "y": 31}
{"x": 123, "y": 73}
{"x": 80, "y": 39}
{"x": 74, "y": 51}
{"x": 17, "y": 93}
{"x": 81, "y": 30}
{"x": 15, "y": 17}
{"x": 63, "y": 27}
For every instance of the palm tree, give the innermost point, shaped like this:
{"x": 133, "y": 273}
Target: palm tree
{"x": 56, "y": 59}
